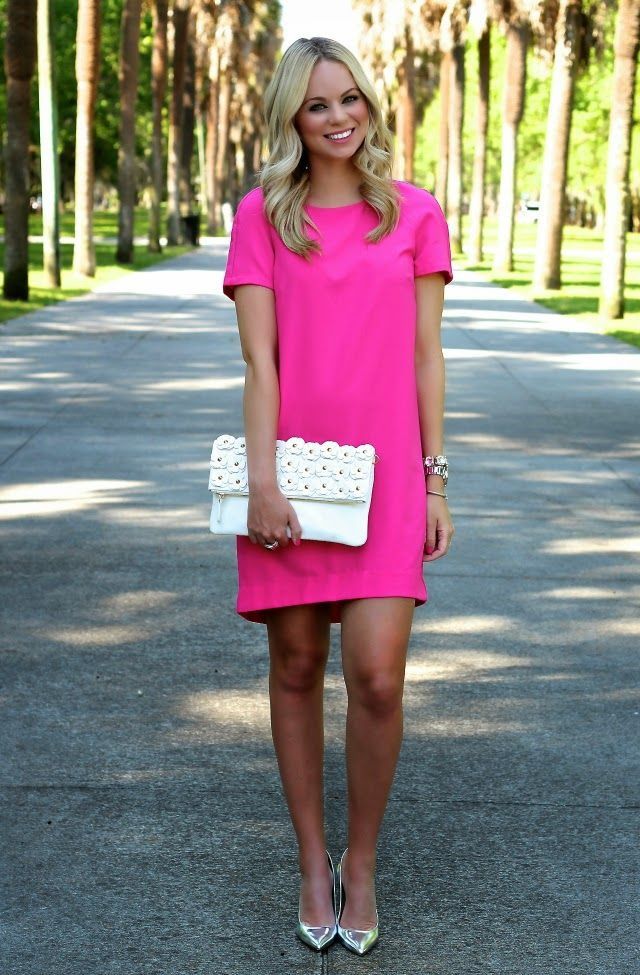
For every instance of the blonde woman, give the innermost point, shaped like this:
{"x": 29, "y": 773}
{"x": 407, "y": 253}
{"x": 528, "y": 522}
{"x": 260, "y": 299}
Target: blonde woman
{"x": 338, "y": 272}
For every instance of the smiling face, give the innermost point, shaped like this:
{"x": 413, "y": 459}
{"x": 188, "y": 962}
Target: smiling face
{"x": 333, "y": 118}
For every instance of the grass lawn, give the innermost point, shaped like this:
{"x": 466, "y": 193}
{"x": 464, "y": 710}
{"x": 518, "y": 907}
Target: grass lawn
{"x": 105, "y": 225}
{"x": 580, "y": 276}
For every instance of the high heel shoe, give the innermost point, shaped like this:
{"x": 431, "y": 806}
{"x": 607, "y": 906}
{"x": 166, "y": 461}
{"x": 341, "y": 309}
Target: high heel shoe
{"x": 319, "y": 936}
{"x": 357, "y": 940}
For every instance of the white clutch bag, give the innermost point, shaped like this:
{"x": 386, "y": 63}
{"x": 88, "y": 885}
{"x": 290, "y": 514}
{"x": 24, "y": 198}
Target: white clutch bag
{"x": 329, "y": 486}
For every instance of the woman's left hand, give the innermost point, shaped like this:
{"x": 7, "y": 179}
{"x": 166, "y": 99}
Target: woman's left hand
{"x": 439, "y": 529}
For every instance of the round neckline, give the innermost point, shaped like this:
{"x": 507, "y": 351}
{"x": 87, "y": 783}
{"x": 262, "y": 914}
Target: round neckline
{"x": 344, "y": 206}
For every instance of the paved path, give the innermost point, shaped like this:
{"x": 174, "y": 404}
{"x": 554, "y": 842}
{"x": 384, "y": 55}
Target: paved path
{"x": 144, "y": 830}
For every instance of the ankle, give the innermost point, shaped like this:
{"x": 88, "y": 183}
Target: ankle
{"x": 313, "y": 862}
{"x": 360, "y": 865}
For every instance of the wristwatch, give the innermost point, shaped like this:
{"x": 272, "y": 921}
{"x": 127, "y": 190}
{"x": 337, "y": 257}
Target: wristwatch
{"x": 437, "y": 465}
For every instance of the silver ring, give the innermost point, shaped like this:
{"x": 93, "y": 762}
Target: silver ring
{"x": 271, "y": 544}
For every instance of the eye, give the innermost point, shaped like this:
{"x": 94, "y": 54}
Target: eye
{"x": 322, "y": 104}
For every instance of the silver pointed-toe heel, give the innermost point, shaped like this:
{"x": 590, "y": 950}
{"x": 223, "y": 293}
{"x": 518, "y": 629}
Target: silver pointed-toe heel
{"x": 319, "y": 936}
{"x": 354, "y": 939}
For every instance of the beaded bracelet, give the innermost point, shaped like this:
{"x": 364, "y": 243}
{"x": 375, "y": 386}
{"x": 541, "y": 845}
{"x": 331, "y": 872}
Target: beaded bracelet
{"x": 437, "y": 465}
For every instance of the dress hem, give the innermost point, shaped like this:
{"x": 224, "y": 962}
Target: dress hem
{"x": 254, "y": 600}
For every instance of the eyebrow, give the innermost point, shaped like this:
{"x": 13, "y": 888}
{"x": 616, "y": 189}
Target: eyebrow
{"x": 320, "y": 98}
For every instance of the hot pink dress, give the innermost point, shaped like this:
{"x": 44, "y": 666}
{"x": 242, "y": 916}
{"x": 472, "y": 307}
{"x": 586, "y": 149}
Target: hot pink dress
{"x": 346, "y": 364}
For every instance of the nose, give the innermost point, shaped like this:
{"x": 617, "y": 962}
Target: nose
{"x": 338, "y": 113}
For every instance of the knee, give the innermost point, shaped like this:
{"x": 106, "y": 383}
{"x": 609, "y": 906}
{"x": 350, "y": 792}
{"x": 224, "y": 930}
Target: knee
{"x": 298, "y": 669}
{"x": 378, "y": 691}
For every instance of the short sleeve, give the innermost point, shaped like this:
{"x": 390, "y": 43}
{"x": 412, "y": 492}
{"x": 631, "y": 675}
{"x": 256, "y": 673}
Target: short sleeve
{"x": 432, "y": 245}
{"x": 251, "y": 255}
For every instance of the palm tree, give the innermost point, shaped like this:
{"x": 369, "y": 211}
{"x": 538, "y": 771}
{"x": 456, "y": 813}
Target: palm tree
{"x": 188, "y": 124}
{"x": 398, "y": 42}
{"x": 19, "y": 63}
{"x": 201, "y": 54}
{"x": 158, "y": 91}
{"x": 87, "y": 68}
{"x": 225, "y": 40}
{"x": 569, "y": 42}
{"x": 616, "y": 218}
{"x": 49, "y": 169}
{"x": 180, "y": 23}
{"x": 128, "y": 76}
{"x": 518, "y": 31}
{"x": 452, "y": 33}
{"x": 480, "y": 25}
{"x": 211, "y": 148}
{"x": 406, "y": 110}
{"x": 442, "y": 168}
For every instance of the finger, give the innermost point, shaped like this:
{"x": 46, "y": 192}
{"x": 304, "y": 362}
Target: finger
{"x": 437, "y": 547}
{"x": 294, "y": 528}
{"x": 442, "y": 540}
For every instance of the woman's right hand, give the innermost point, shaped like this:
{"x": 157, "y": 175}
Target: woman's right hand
{"x": 268, "y": 516}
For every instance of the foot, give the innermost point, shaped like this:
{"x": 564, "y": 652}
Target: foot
{"x": 316, "y": 900}
{"x": 358, "y": 880}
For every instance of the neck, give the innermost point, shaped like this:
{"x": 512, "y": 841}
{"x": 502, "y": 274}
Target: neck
{"x": 333, "y": 180}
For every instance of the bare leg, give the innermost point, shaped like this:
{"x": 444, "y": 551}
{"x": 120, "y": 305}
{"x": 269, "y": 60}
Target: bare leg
{"x": 375, "y": 637}
{"x": 298, "y": 649}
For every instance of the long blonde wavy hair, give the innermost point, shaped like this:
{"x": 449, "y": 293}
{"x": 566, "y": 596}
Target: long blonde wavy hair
{"x": 284, "y": 178}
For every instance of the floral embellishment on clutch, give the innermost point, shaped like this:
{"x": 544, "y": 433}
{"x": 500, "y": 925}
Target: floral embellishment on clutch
{"x": 329, "y": 449}
{"x": 304, "y": 469}
{"x": 346, "y": 452}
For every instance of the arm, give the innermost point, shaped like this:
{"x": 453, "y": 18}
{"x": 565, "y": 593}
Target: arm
{"x": 430, "y": 379}
{"x": 269, "y": 510}
{"x": 255, "y": 310}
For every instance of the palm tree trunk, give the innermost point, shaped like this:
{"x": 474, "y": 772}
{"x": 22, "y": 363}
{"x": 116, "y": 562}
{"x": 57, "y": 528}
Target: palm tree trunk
{"x": 616, "y": 217}
{"x": 212, "y": 141}
{"x": 200, "y": 113}
{"x": 49, "y": 168}
{"x": 406, "y": 115}
{"x": 222, "y": 175}
{"x": 158, "y": 92}
{"x": 87, "y": 69}
{"x": 513, "y": 106}
{"x": 202, "y": 167}
{"x": 129, "y": 63}
{"x": 188, "y": 127}
{"x": 19, "y": 63}
{"x": 476, "y": 203}
{"x": 454, "y": 174}
{"x": 547, "y": 273}
{"x": 446, "y": 62}
{"x": 180, "y": 36}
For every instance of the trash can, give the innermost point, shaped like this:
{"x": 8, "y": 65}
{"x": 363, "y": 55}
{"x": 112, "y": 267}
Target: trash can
{"x": 190, "y": 226}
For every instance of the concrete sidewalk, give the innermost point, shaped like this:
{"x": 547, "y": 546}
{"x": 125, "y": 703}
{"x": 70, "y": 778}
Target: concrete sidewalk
{"x": 144, "y": 829}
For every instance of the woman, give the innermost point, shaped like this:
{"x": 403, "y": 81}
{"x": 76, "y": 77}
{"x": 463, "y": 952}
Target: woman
{"x": 338, "y": 275}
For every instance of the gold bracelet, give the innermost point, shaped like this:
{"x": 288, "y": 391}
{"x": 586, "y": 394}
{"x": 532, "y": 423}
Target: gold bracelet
{"x": 439, "y": 493}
